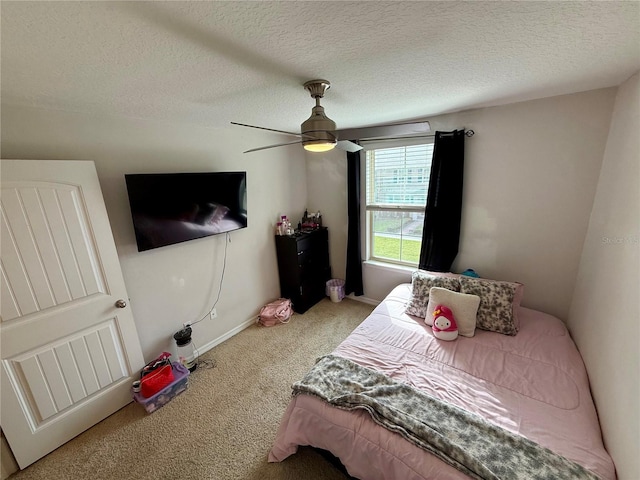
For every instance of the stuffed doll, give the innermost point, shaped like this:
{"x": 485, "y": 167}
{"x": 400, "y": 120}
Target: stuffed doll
{"x": 444, "y": 325}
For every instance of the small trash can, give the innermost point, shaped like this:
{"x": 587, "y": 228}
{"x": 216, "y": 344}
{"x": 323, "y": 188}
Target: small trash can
{"x": 335, "y": 289}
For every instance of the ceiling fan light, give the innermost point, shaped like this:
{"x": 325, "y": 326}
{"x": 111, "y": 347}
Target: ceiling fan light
{"x": 319, "y": 145}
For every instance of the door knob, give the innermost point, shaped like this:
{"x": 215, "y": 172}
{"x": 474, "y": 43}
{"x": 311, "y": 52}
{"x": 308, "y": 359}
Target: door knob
{"x": 121, "y": 303}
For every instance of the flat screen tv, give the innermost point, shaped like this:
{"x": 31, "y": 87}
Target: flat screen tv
{"x": 169, "y": 208}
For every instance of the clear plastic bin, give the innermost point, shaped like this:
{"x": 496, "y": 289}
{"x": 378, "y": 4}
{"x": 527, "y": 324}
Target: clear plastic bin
{"x": 164, "y": 396}
{"x": 335, "y": 289}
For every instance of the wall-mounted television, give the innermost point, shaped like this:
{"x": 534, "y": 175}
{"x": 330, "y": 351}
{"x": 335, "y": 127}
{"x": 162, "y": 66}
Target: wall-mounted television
{"x": 169, "y": 208}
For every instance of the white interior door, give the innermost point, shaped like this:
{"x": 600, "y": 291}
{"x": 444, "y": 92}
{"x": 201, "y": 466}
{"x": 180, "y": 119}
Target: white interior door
{"x": 68, "y": 351}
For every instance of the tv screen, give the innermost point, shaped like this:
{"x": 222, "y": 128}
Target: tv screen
{"x": 170, "y": 208}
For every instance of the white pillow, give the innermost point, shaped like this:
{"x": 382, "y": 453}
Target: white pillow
{"x": 463, "y": 306}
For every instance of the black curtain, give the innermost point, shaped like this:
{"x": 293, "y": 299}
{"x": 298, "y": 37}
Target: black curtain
{"x": 441, "y": 232}
{"x": 353, "y": 280}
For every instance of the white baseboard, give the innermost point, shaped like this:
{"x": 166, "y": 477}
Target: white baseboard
{"x": 246, "y": 324}
{"x": 217, "y": 341}
{"x": 362, "y": 299}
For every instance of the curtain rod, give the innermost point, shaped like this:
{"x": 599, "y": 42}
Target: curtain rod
{"x": 468, "y": 133}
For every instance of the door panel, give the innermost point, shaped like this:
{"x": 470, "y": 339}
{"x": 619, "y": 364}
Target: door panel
{"x": 50, "y": 253}
{"x": 68, "y": 354}
{"x": 56, "y": 376}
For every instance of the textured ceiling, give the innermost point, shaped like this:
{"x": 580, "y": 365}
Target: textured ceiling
{"x": 214, "y": 62}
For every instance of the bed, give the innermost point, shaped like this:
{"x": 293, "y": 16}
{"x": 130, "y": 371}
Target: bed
{"x": 532, "y": 384}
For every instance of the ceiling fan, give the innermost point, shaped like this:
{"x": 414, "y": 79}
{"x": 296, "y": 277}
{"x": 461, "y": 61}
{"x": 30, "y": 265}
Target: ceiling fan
{"x": 318, "y": 133}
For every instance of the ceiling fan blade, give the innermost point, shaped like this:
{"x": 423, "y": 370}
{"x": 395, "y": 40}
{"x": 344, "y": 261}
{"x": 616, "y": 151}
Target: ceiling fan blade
{"x": 264, "y": 128}
{"x": 272, "y": 146}
{"x": 348, "y": 146}
{"x": 390, "y": 130}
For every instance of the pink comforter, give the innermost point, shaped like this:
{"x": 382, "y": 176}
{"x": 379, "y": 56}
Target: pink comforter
{"x": 533, "y": 384}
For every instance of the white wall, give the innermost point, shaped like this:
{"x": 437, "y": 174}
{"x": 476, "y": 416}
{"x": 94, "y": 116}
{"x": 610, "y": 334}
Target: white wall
{"x": 530, "y": 177}
{"x": 176, "y": 284}
{"x": 605, "y": 313}
{"x": 327, "y": 172}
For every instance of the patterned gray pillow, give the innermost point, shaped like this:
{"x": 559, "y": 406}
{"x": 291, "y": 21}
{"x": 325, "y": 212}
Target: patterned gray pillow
{"x": 496, "y": 312}
{"x": 421, "y": 283}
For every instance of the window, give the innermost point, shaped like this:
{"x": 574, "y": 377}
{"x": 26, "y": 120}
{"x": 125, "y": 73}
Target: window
{"x": 397, "y": 181}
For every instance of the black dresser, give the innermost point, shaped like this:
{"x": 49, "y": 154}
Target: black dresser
{"x": 303, "y": 265}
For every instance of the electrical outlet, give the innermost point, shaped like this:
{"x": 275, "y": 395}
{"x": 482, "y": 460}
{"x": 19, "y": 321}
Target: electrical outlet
{"x": 213, "y": 313}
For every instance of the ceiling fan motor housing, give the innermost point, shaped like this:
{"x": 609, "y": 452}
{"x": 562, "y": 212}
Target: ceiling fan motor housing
{"x": 318, "y": 124}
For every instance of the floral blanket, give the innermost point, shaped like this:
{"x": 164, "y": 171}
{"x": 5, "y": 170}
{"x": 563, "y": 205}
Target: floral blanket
{"x": 469, "y": 443}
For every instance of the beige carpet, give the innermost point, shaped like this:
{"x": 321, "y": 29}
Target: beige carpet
{"x": 223, "y": 426}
